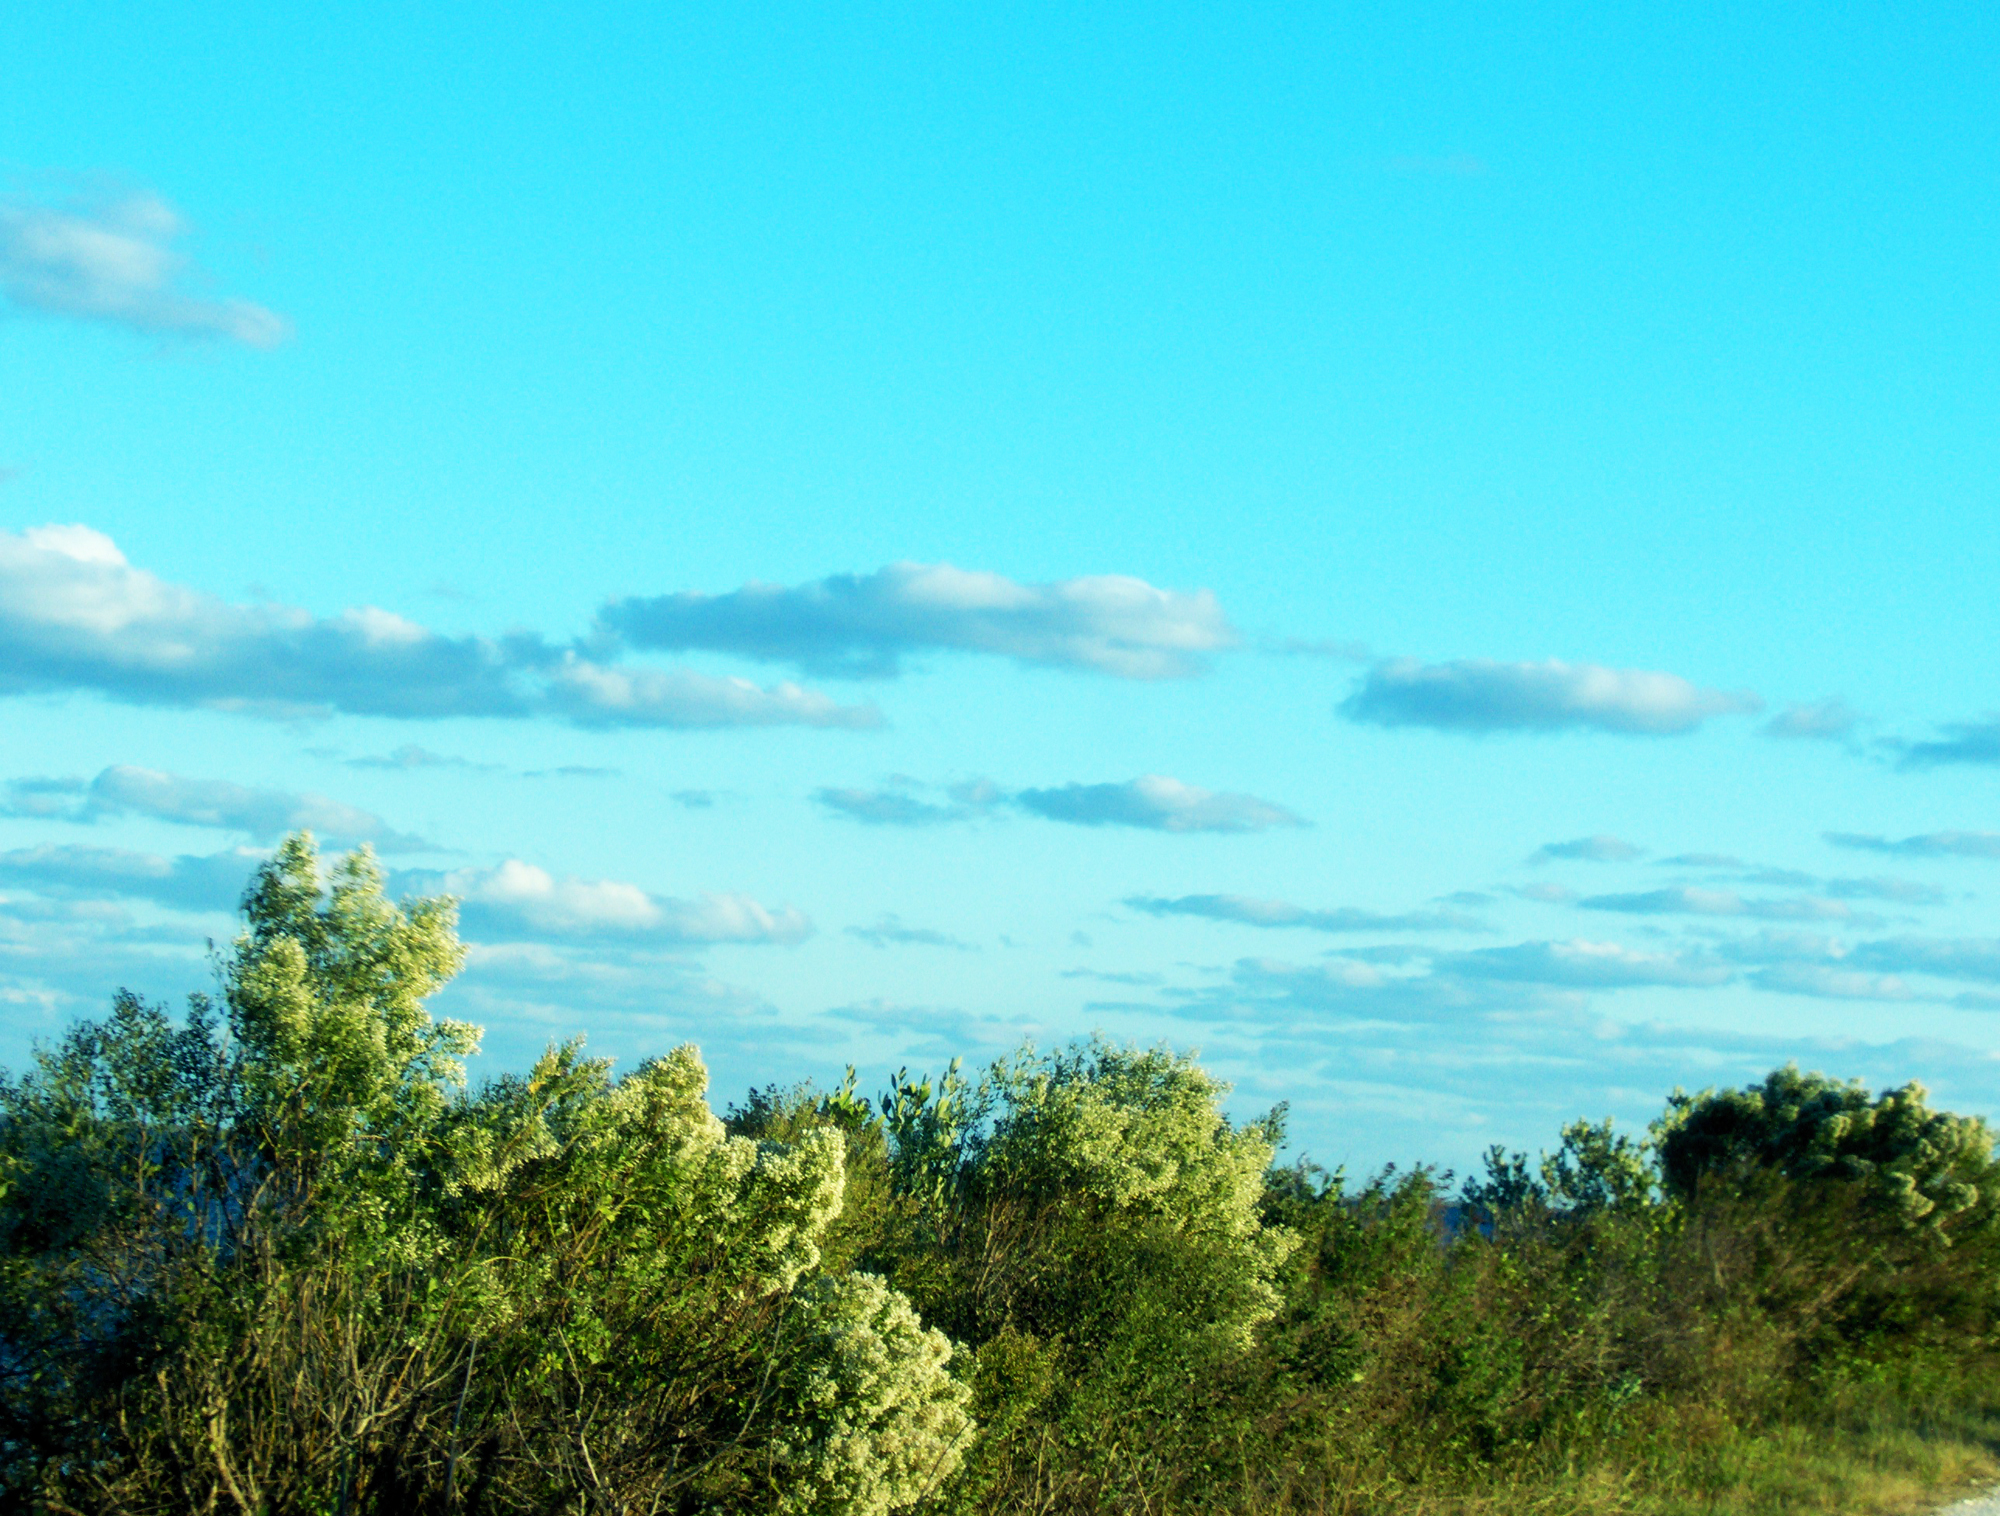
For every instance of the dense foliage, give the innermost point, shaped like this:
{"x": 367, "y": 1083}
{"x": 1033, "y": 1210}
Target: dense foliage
{"x": 273, "y": 1256}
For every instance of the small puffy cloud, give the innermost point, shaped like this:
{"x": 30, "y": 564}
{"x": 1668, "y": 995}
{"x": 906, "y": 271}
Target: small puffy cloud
{"x": 1248, "y": 911}
{"x": 889, "y": 931}
{"x": 114, "y": 259}
{"x": 866, "y": 624}
{"x": 75, "y": 615}
{"x": 1482, "y": 695}
{"x": 186, "y": 883}
{"x": 1687, "y": 900}
{"x": 1581, "y": 964}
{"x": 1819, "y": 721}
{"x": 1598, "y": 849}
{"x": 1156, "y": 803}
{"x": 127, "y": 790}
{"x": 1963, "y": 742}
{"x": 516, "y": 899}
{"x": 1925, "y": 845}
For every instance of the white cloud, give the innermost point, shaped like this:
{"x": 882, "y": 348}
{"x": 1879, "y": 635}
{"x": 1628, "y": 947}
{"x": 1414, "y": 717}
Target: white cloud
{"x": 1946, "y": 957}
{"x": 900, "y": 802}
{"x": 1825, "y": 981}
{"x": 1583, "y": 964}
{"x": 516, "y": 898}
{"x": 865, "y": 624}
{"x": 1689, "y": 900}
{"x": 75, "y": 615}
{"x": 1963, "y": 742}
{"x": 114, "y": 259}
{"x": 1481, "y": 695}
{"x": 210, "y": 883}
{"x": 889, "y": 930}
{"x": 1819, "y": 721}
{"x": 1599, "y": 849}
{"x": 1156, "y": 803}
{"x": 1926, "y": 845}
{"x": 124, "y": 789}
{"x": 1249, "y": 911}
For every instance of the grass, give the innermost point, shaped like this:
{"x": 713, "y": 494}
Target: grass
{"x": 1864, "y": 1460}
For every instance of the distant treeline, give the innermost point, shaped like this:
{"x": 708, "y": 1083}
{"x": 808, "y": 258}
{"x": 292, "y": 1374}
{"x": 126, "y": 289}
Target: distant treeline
{"x": 271, "y": 1257}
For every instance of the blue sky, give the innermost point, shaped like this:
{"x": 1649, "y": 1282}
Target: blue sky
{"x": 1444, "y": 558}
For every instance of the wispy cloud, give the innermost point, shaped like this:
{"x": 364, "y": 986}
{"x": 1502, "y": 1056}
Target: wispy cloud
{"x": 1152, "y": 802}
{"x": 1826, "y": 981}
{"x": 1157, "y": 803}
{"x": 900, "y": 802}
{"x": 127, "y": 790}
{"x": 859, "y": 625}
{"x": 1248, "y": 911}
{"x": 515, "y": 900}
{"x": 75, "y": 615}
{"x": 114, "y": 258}
{"x": 1688, "y": 900}
{"x": 1481, "y": 695}
{"x": 1946, "y": 957}
{"x": 1818, "y": 721}
{"x": 211, "y": 883}
{"x": 1598, "y": 849}
{"x": 1924, "y": 845}
{"x": 410, "y": 756}
{"x": 889, "y": 931}
{"x": 1963, "y": 742}
{"x": 1583, "y": 964}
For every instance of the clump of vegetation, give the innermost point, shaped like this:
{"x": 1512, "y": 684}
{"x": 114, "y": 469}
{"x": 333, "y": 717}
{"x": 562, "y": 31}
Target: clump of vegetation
{"x": 274, "y": 1256}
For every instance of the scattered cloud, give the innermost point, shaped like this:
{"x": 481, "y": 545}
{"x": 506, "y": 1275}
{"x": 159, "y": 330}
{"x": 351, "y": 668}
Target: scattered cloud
{"x": 1481, "y": 695}
{"x": 186, "y": 883}
{"x": 515, "y": 899}
{"x": 694, "y": 800}
{"x": 1599, "y": 849}
{"x": 1819, "y": 721}
{"x": 1963, "y": 742}
{"x": 889, "y": 931}
{"x": 1247, "y": 911}
{"x": 1946, "y": 957}
{"x": 1925, "y": 845}
{"x": 1582, "y": 964}
{"x": 899, "y": 802}
{"x": 1881, "y": 887}
{"x": 864, "y": 625}
{"x": 75, "y": 615}
{"x": 1156, "y": 803}
{"x": 1687, "y": 900}
{"x": 410, "y": 756}
{"x": 1825, "y": 981}
{"x": 114, "y": 258}
{"x": 1545, "y": 894}
{"x": 1152, "y": 802}
{"x": 126, "y": 790}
